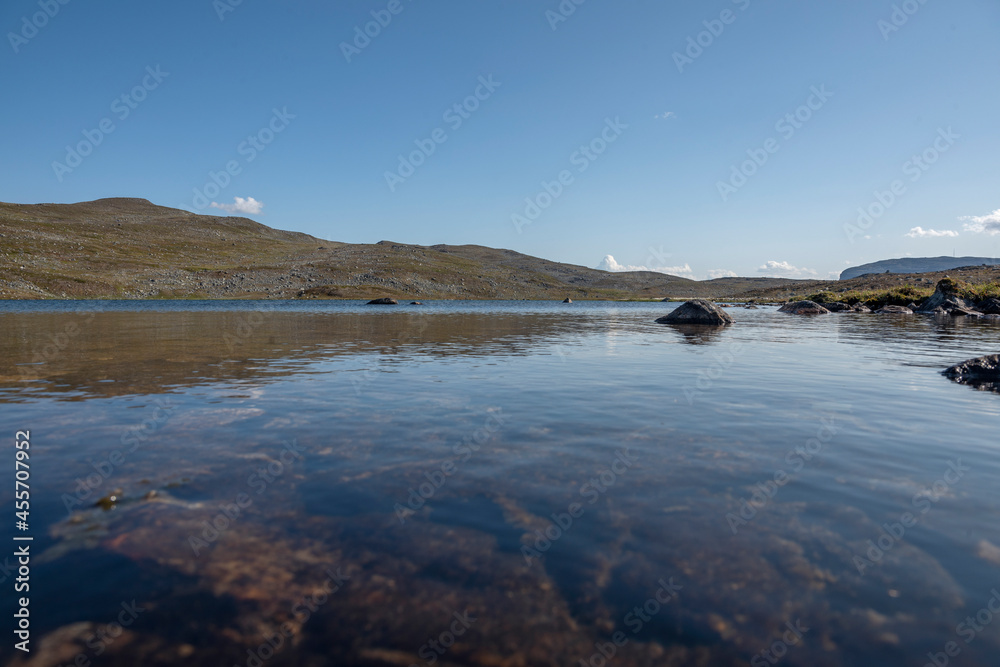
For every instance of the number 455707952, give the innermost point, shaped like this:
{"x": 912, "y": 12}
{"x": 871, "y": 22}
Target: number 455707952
{"x": 22, "y": 475}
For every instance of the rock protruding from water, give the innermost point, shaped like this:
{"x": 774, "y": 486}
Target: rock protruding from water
{"x": 946, "y": 297}
{"x": 698, "y": 311}
{"x": 416, "y": 303}
{"x": 383, "y": 302}
{"x": 990, "y": 306}
{"x": 803, "y": 308}
{"x": 567, "y": 300}
{"x": 893, "y": 310}
{"x": 981, "y": 373}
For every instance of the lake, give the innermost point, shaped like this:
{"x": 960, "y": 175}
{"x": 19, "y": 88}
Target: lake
{"x": 500, "y": 483}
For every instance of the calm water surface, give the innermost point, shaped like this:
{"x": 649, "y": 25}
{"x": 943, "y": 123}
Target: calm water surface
{"x": 501, "y": 484}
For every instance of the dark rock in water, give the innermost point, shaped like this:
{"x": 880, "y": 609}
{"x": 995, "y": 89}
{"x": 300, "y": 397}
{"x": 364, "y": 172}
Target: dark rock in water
{"x": 383, "y": 302}
{"x": 913, "y": 307}
{"x": 416, "y": 303}
{"x": 893, "y": 310}
{"x": 982, "y": 373}
{"x": 964, "y": 312}
{"x": 750, "y": 307}
{"x": 567, "y": 300}
{"x": 989, "y": 307}
{"x": 803, "y": 308}
{"x": 860, "y": 308}
{"x": 944, "y": 297}
{"x": 838, "y": 307}
{"x": 698, "y": 311}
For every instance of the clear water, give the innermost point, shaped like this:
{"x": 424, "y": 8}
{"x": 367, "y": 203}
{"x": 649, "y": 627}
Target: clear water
{"x": 390, "y": 475}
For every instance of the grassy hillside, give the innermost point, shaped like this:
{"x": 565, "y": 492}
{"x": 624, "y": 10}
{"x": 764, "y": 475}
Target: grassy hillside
{"x": 131, "y": 248}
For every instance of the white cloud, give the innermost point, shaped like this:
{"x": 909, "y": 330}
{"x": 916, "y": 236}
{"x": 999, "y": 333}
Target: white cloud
{"x": 248, "y": 206}
{"x": 610, "y": 264}
{"x": 665, "y": 115}
{"x": 921, "y": 233}
{"x": 773, "y": 269}
{"x": 983, "y": 224}
{"x": 721, "y": 273}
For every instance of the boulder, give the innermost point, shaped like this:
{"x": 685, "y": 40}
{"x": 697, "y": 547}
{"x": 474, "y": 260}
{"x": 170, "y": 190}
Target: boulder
{"x": 944, "y": 297}
{"x": 803, "y": 308}
{"x": 913, "y": 307}
{"x": 989, "y": 307}
{"x": 383, "y": 302}
{"x": 416, "y": 303}
{"x": 698, "y": 311}
{"x": 893, "y": 310}
{"x": 982, "y": 373}
{"x": 860, "y": 308}
{"x": 567, "y": 300}
{"x": 838, "y": 307}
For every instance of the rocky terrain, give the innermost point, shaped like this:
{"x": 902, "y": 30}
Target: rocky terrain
{"x": 132, "y": 249}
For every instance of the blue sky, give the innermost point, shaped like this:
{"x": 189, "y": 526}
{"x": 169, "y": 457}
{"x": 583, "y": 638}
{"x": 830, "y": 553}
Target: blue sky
{"x": 590, "y": 137}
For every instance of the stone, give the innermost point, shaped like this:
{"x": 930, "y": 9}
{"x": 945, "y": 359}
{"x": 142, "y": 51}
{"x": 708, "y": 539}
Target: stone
{"x": 416, "y": 303}
{"x": 893, "y": 310}
{"x": 383, "y": 302}
{"x": 982, "y": 372}
{"x": 838, "y": 307}
{"x": 989, "y": 306}
{"x": 803, "y": 308}
{"x": 698, "y": 311}
{"x": 567, "y": 300}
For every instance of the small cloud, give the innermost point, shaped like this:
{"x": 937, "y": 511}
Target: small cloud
{"x": 248, "y": 206}
{"x": 721, "y": 273}
{"x": 610, "y": 264}
{"x": 773, "y": 269}
{"x": 983, "y": 224}
{"x": 921, "y": 233}
{"x": 665, "y": 115}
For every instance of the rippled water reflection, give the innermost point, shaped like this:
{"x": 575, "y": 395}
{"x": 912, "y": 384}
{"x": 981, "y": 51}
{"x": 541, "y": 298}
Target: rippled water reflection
{"x": 518, "y": 480}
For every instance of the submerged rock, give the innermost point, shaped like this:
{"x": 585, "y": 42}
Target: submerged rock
{"x": 981, "y": 373}
{"x": 383, "y": 302}
{"x": 989, "y": 306}
{"x": 416, "y": 303}
{"x": 803, "y": 308}
{"x": 698, "y": 311}
{"x": 893, "y": 310}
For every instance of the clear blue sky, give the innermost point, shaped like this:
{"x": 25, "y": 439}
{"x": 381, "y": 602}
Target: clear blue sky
{"x": 652, "y": 198}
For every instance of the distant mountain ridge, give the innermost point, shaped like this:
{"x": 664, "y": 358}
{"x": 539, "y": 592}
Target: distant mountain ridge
{"x": 916, "y": 265}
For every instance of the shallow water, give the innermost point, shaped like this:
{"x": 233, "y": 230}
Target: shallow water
{"x": 390, "y": 475}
